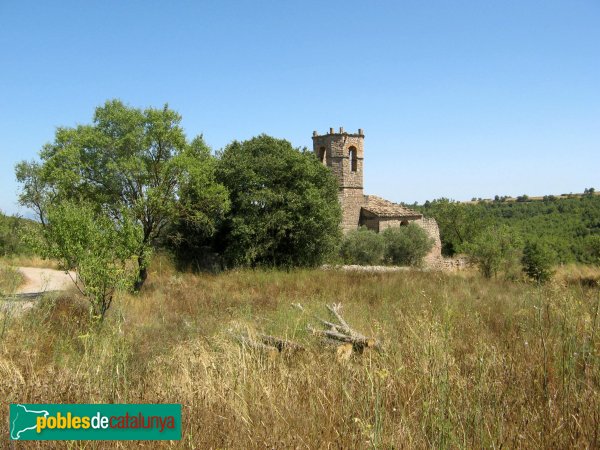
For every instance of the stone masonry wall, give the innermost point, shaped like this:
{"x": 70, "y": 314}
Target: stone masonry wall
{"x": 351, "y": 201}
{"x": 433, "y": 259}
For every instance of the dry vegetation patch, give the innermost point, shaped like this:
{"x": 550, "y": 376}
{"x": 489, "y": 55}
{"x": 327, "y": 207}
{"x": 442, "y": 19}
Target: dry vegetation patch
{"x": 464, "y": 362}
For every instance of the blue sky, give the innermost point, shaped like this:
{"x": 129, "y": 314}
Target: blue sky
{"x": 458, "y": 99}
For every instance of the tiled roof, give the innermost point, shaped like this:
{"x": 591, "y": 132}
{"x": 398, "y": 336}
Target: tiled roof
{"x": 383, "y": 208}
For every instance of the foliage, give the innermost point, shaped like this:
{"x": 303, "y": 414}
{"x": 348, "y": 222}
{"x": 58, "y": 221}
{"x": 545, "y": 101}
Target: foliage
{"x": 459, "y": 223}
{"x": 495, "y": 249}
{"x": 284, "y": 206}
{"x": 591, "y": 249}
{"x": 406, "y": 245}
{"x": 567, "y": 225}
{"x": 538, "y": 260}
{"x": 363, "y": 246}
{"x": 131, "y": 161}
{"x": 99, "y": 248}
{"x": 11, "y": 230}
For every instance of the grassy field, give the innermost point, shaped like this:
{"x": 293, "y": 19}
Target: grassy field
{"x": 465, "y": 362}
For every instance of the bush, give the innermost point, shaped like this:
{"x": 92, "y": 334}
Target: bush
{"x": 538, "y": 260}
{"x": 98, "y": 247}
{"x": 406, "y": 246}
{"x": 362, "y": 246}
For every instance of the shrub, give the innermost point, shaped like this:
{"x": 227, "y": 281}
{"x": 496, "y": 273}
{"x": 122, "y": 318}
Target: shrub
{"x": 538, "y": 260}
{"x": 362, "y": 246}
{"x": 406, "y": 246}
{"x": 98, "y": 247}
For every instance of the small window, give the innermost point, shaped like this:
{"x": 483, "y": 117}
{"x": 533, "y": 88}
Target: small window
{"x": 353, "y": 159}
{"x": 404, "y": 223}
{"x": 322, "y": 154}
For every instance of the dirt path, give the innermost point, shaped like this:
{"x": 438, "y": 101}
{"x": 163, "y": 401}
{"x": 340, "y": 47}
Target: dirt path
{"x": 42, "y": 280}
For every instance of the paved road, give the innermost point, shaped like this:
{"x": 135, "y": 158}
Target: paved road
{"x": 42, "y": 280}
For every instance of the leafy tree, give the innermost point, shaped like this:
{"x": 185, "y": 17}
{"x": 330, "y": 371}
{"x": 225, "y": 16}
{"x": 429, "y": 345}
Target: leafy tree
{"x": 406, "y": 245}
{"x": 128, "y": 160}
{"x": 99, "y": 248}
{"x": 363, "y": 246}
{"x": 538, "y": 260}
{"x": 459, "y": 223}
{"x": 496, "y": 249}
{"x": 284, "y": 205}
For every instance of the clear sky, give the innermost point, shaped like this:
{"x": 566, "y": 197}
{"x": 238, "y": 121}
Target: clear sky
{"x": 458, "y": 99}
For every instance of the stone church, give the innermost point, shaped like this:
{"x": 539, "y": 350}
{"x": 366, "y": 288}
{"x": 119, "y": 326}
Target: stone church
{"x": 343, "y": 153}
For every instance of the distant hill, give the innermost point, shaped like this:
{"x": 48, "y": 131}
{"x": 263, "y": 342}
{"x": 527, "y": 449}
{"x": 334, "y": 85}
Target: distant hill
{"x": 527, "y": 198}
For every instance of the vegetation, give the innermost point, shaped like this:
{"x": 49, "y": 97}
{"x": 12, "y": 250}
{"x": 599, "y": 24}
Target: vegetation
{"x": 406, "y": 246}
{"x": 569, "y": 226}
{"x": 362, "y": 246}
{"x": 10, "y": 279}
{"x": 11, "y": 235}
{"x": 284, "y": 206}
{"x": 98, "y": 248}
{"x": 465, "y": 361}
{"x": 459, "y": 223}
{"x": 128, "y": 161}
{"x": 538, "y": 261}
{"x": 494, "y": 250}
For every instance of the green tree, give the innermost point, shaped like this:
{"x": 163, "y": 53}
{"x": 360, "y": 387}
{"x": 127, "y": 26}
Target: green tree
{"x": 538, "y": 261}
{"x": 406, "y": 245}
{"x": 99, "y": 248}
{"x": 496, "y": 249}
{"x": 128, "y": 160}
{"x": 362, "y": 246}
{"x": 459, "y": 223}
{"x": 284, "y": 205}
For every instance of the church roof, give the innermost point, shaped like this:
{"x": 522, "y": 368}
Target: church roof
{"x": 384, "y": 208}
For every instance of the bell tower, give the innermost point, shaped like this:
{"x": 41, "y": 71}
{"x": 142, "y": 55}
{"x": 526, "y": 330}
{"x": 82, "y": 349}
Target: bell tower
{"x": 343, "y": 153}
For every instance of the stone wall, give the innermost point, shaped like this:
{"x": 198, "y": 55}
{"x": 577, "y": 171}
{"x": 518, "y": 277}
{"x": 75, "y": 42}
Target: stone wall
{"x": 434, "y": 258}
{"x": 351, "y": 201}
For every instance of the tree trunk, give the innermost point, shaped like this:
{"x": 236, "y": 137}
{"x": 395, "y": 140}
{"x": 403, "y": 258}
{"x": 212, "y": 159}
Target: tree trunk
{"x": 142, "y": 273}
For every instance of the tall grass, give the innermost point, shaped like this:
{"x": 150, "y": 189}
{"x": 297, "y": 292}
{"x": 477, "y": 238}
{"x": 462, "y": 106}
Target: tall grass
{"x": 466, "y": 362}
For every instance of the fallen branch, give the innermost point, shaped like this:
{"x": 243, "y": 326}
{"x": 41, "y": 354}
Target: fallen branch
{"x": 341, "y": 331}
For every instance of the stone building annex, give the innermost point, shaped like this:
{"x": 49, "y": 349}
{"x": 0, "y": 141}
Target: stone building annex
{"x": 343, "y": 153}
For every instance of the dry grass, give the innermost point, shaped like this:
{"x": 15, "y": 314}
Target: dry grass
{"x": 578, "y": 274}
{"x": 29, "y": 261}
{"x": 10, "y": 279}
{"x": 466, "y": 362}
